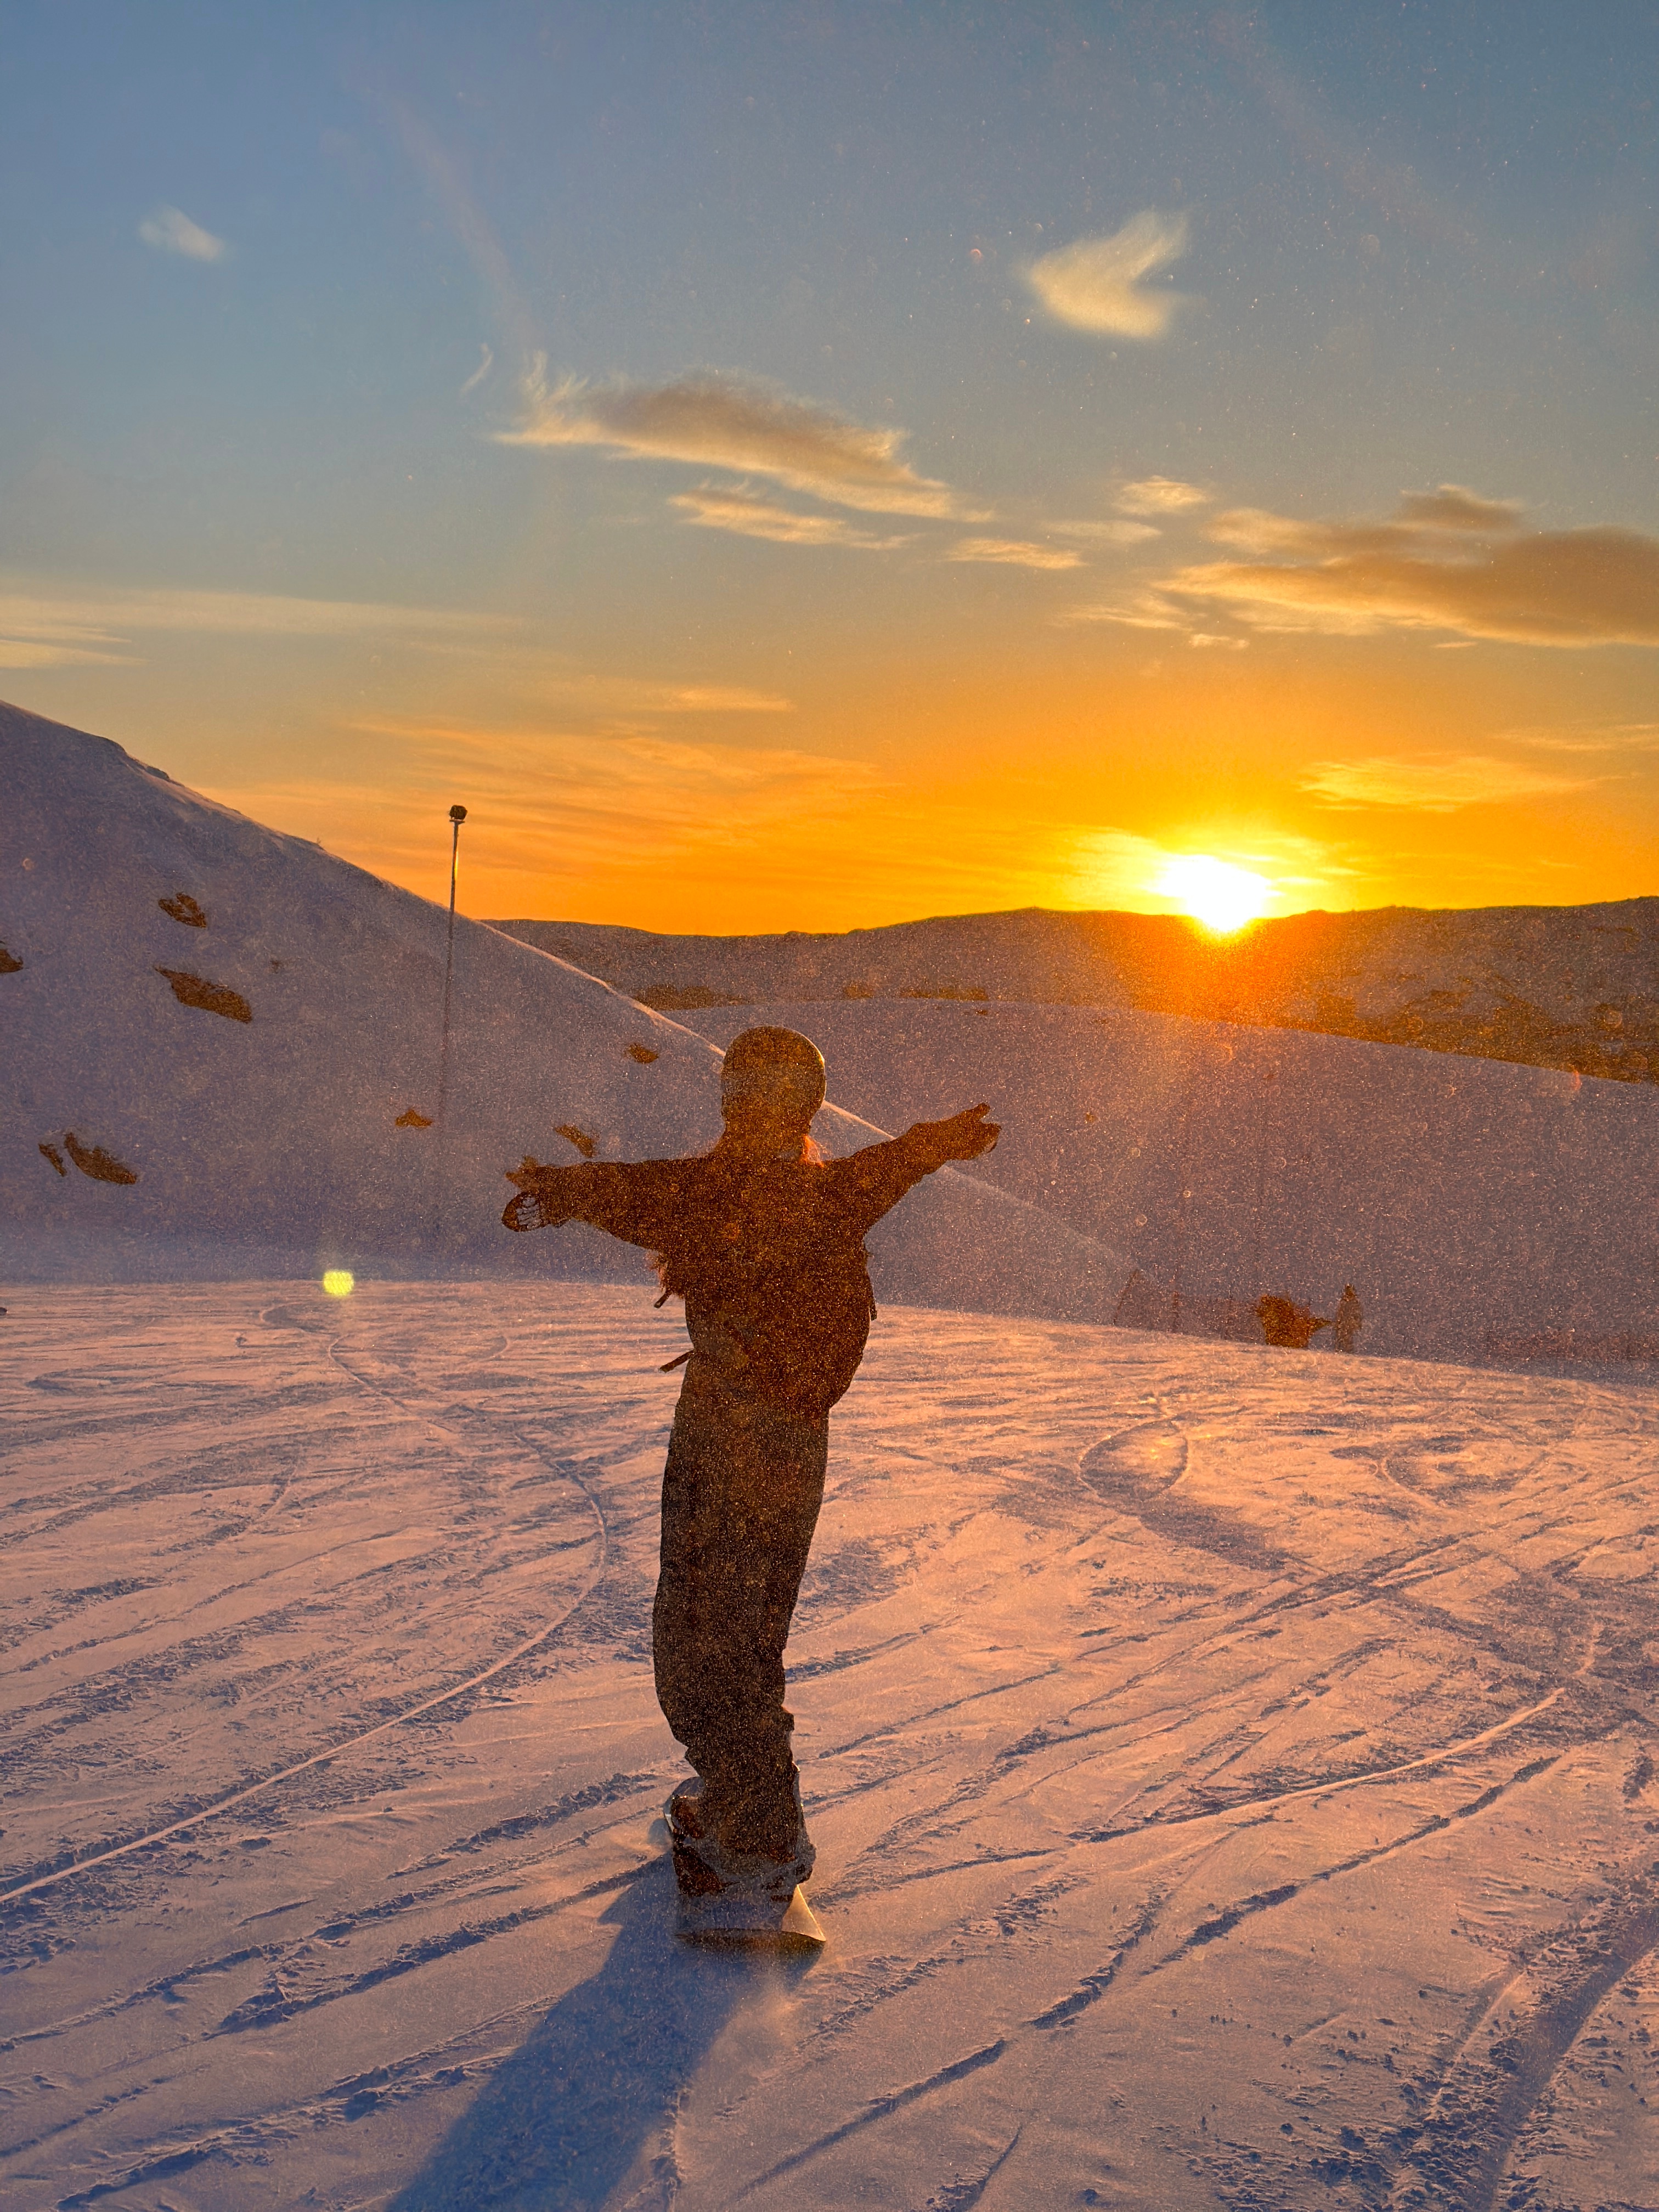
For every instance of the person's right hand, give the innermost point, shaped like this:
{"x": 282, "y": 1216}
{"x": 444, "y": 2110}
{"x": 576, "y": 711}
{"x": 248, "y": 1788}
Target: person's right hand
{"x": 963, "y": 1136}
{"x": 536, "y": 1205}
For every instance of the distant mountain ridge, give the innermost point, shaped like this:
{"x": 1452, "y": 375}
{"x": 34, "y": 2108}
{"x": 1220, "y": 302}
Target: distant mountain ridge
{"x": 1572, "y": 987}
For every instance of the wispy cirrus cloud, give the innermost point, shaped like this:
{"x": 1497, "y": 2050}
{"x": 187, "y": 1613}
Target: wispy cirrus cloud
{"x": 1142, "y": 610}
{"x": 1432, "y": 786}
{"x": 595, "y": 695}
{"x": 553, "y": 801}
{"x": 45, "y": 627}
{"x": 731, "y": 423}
{"x": 170, "y": 230}
{"x": 486, "y": 363}
{"x": 1160, "y": 495}
{"x": 1095, "y": 284}
{"x": 1450, "y": 559}
{"x": 1105, "y": 534}
{"x": 1591, "y": 737}
{"x": 1014, "y": 553}
{"x": 746, "y": 516}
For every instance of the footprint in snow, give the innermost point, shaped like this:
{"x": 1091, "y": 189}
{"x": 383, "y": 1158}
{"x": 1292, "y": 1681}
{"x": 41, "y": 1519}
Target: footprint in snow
{"x": 183, "y": 908}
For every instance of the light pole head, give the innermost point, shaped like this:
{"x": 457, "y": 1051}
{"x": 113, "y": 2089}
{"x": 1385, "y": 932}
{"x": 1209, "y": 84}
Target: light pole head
{"x": 457, "y": 815}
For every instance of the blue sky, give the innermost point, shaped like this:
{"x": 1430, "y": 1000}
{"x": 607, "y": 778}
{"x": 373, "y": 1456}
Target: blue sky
{"x": 539, "y": 397}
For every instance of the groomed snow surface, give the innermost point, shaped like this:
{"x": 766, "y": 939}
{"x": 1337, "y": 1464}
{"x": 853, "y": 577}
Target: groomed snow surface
{"x": 1233, "y": 1772}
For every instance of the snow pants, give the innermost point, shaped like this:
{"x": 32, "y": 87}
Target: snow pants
{"x": 740, "y": 1499}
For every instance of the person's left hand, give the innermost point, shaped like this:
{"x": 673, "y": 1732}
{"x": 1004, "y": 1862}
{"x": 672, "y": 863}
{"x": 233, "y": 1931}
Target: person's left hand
{"x": 965, "y": 1136}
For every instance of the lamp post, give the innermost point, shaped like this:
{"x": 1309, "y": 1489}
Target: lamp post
{"x": 457, "y": 816}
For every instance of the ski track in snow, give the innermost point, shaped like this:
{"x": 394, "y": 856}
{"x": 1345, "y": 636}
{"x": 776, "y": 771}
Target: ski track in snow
{"x": 1234, "y": 1774}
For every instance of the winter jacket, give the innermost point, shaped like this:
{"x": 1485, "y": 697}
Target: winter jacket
{"x": 768, "y": 1254}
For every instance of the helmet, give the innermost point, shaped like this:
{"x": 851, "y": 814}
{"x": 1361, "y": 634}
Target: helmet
{"x": 779, "y": 1066}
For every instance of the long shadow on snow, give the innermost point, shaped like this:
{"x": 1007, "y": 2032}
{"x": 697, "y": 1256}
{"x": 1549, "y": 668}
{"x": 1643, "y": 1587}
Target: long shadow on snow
{"x": 559, "y": 2124}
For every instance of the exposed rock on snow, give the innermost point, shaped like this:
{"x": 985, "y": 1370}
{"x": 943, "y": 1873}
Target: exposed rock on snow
{"x": 302, "y": 1132}
{"x": 1549, "y": 986}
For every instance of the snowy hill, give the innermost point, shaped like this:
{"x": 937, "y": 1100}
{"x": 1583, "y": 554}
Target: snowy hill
{"x": 1574, "y": 987}
{"x": 1483, "y": 1211}
{"x": 223, "y": 1058}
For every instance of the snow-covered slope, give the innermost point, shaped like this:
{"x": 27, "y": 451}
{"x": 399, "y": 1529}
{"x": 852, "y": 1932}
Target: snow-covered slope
{"x": 1483, "y": 1211}
{"x": 1548, "y": 986}
{"x": 222, "y": 1057}
{"x": 1232, "y": 1772}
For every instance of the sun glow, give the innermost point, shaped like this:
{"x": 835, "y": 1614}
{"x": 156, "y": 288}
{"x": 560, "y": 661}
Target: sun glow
{"x": 1214, "y": 892}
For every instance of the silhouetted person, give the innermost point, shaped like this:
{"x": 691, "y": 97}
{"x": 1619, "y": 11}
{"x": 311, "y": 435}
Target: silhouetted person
{"x": 764, "y": 1241}
{"x": 1349, "y": 1319}
{"x": 1285, "y": 1323}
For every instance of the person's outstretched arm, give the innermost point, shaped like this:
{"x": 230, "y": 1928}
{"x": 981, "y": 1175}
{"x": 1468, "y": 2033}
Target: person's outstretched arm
{"x": 876, "y": 1179}
{"x": 635, "y": 1200}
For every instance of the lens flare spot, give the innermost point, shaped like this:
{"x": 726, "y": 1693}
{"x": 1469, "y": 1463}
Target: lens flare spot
{"x": 339, "y": 1282}
{"x": 1216, "y": 894}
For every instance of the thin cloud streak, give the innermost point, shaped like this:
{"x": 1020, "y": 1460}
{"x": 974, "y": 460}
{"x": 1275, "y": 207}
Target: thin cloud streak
{"x": 1433, "y": 786}
{"x": 70, "y": 626}
{"x": 468, "y": 221}
{"x": 486, "y": 363}
{"x": 1013, "y": 553}
{"x": 713, "y": 420}
{"x": 1094, "y": 283}
{"x": 1160, "y": 495}
{"x": 555, "y": 802}
{"x": 635, "y": 695}
{"x": 1105, "y": 534}
{"x": 170, "y": 230}
{"x": 1145, "y": 610}
{"x": 1585, "y": 737}
{"x": 747, "y": 516}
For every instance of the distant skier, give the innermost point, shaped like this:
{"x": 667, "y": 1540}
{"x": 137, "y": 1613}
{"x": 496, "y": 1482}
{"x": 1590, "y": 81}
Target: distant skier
{"x": 764, "y": 1241}
{"x": 1349, "y": 1319}
{"x": 1286, "y": 1324}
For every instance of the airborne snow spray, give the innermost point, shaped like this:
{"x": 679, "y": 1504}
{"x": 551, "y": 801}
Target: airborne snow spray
{"x": 457, "y": 816}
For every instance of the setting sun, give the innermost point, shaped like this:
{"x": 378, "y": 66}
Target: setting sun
{"x": 1214, "y": 892}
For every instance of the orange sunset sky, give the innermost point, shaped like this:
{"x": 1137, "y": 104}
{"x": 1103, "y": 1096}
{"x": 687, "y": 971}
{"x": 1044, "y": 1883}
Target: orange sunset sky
{"x": 811, "y": 466}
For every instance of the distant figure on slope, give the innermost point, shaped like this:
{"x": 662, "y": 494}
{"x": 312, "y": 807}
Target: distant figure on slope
{"x": 764, "y": 1241}
{"x": 1292, "y": 1326}
{"x": 1349, "y": 1319}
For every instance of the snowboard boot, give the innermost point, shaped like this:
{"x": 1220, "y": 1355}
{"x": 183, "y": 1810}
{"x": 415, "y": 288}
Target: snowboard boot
{"x": 708, "y": 1861}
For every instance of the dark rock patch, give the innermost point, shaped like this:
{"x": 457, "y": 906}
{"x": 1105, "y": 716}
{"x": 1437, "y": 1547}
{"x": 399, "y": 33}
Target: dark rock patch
{"x": 212, "y": 997}
{"x": 92, "y": 1160}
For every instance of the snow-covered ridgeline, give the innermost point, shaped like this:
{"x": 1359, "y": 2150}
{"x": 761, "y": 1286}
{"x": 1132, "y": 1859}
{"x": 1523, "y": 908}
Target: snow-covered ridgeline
{"x": 1546, "y": 987}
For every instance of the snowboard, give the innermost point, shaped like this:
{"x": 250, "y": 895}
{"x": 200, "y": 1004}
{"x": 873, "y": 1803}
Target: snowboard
{"x": 739, "y": 1917}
